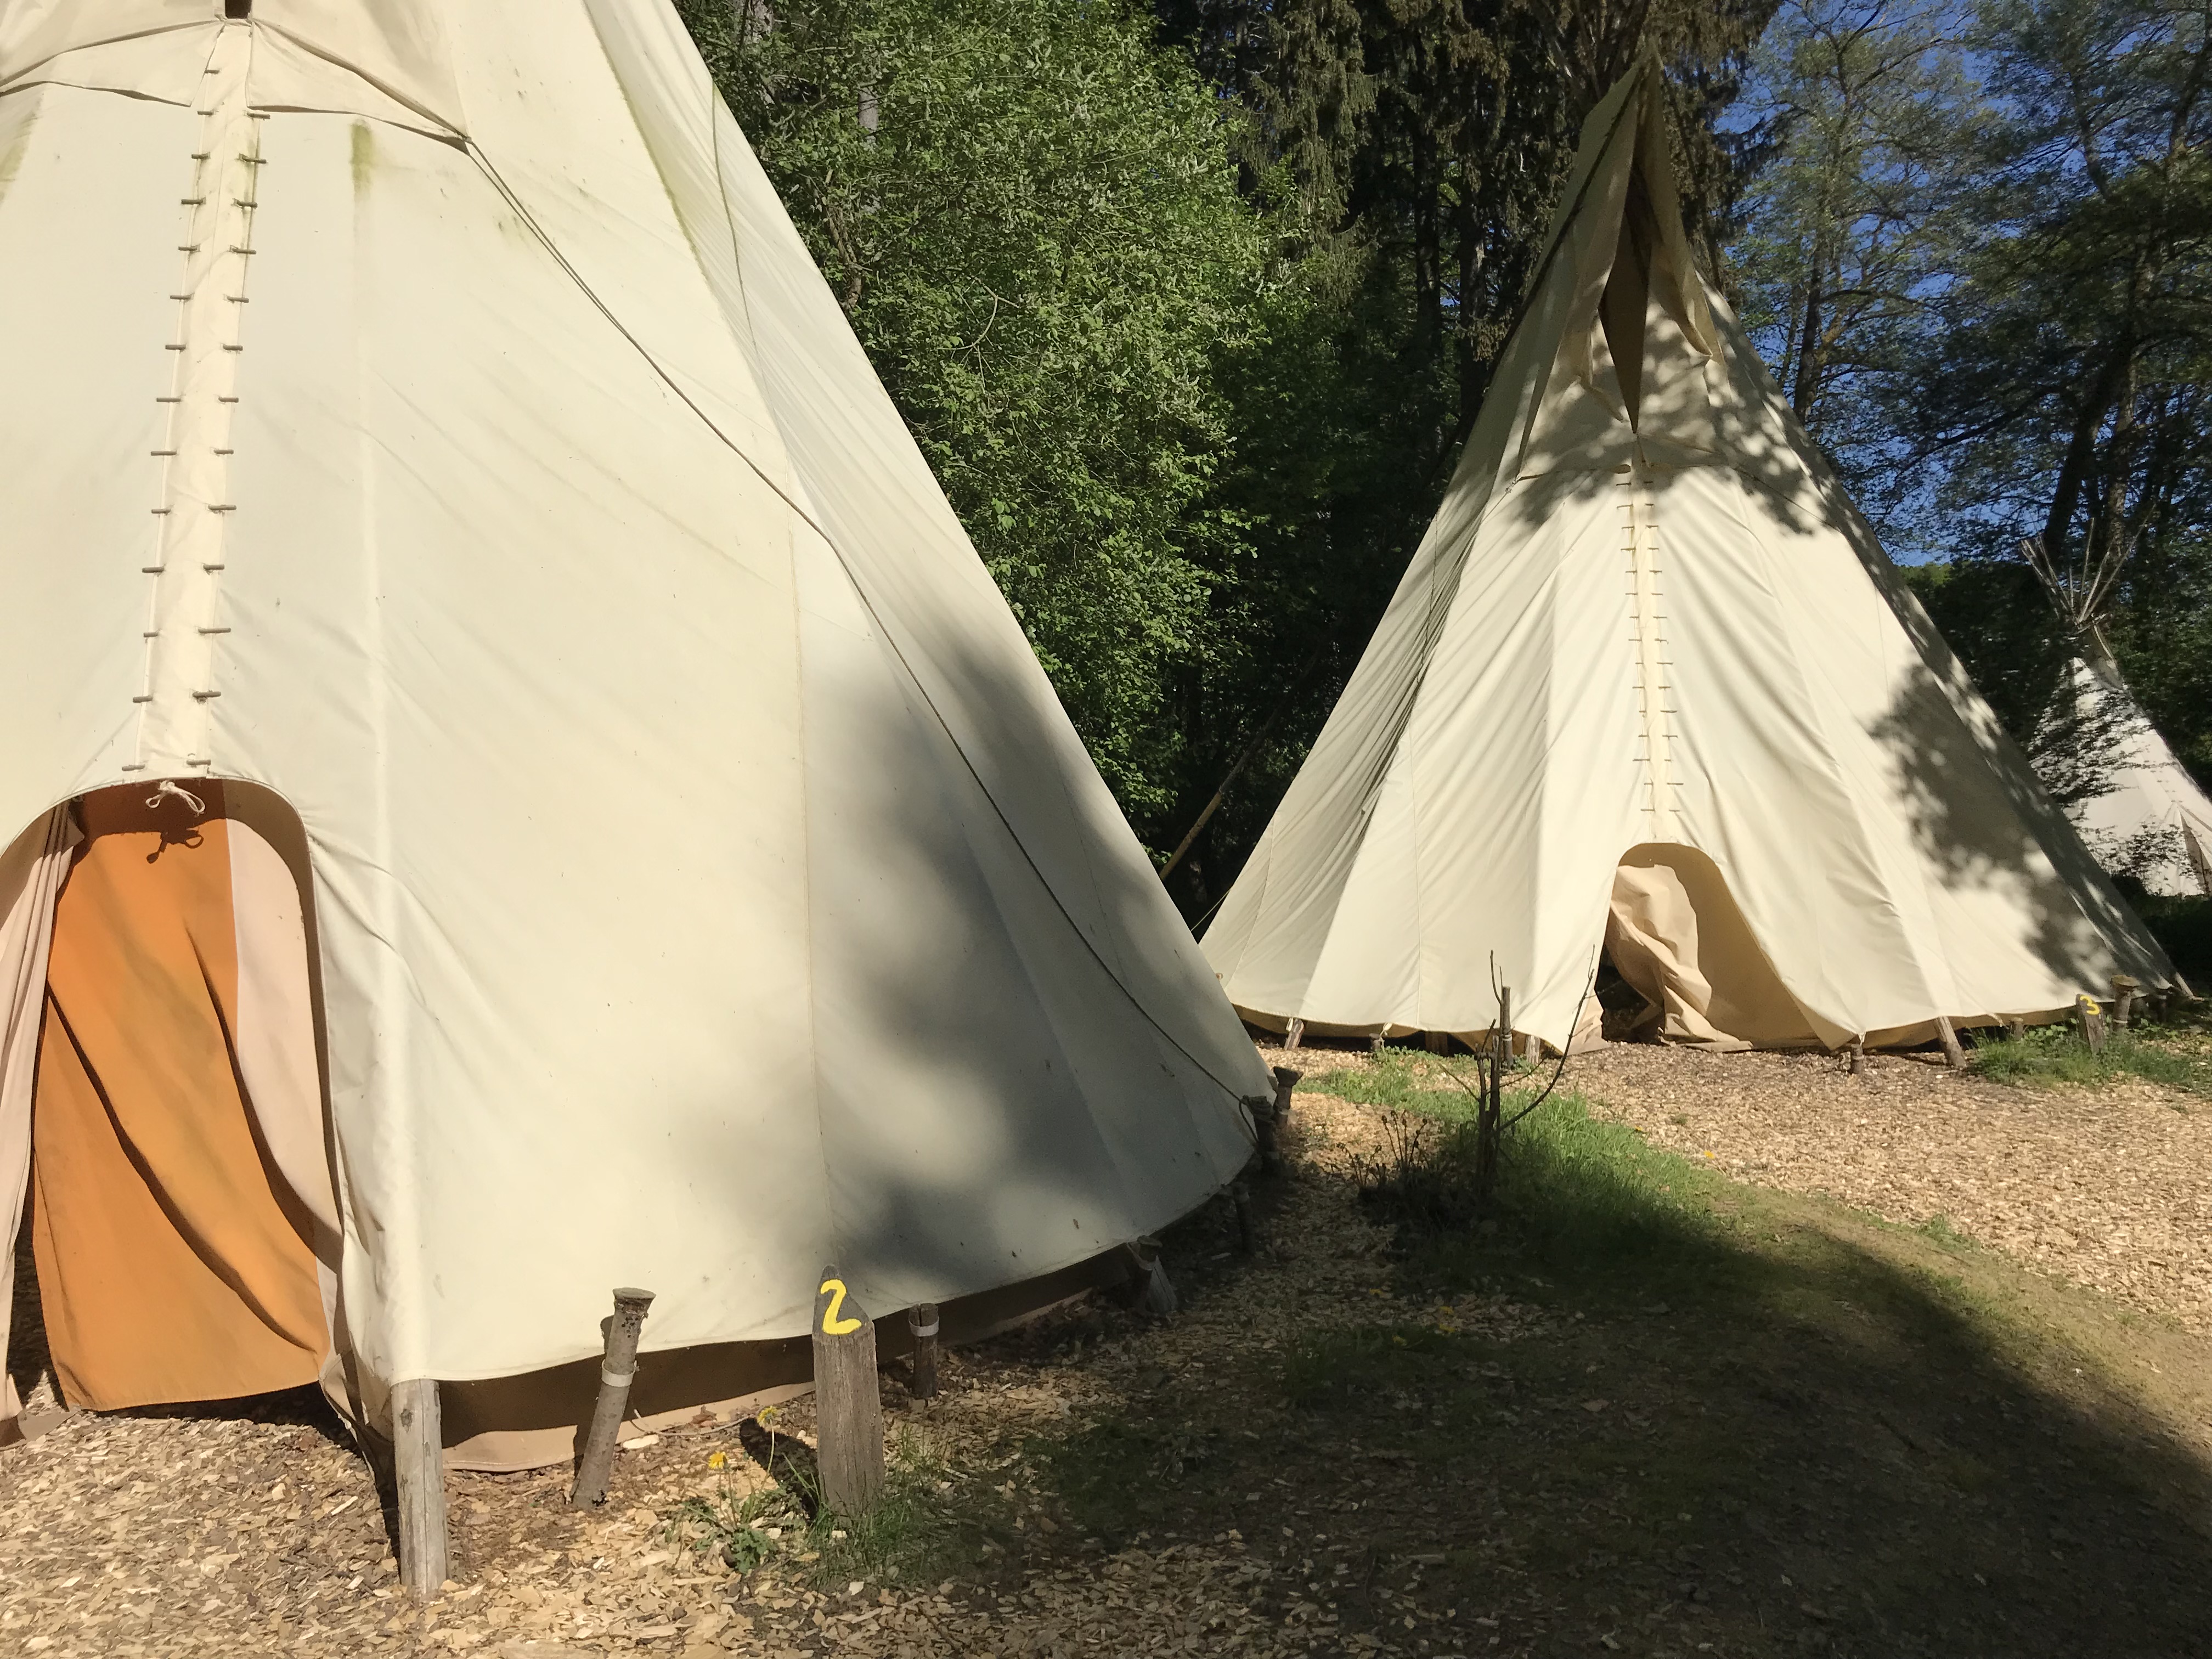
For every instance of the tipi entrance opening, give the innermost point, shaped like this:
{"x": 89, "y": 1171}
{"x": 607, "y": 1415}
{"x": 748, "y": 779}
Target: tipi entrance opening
{"x": 1676, "y": 936}
{"x": 177, "y": 1180}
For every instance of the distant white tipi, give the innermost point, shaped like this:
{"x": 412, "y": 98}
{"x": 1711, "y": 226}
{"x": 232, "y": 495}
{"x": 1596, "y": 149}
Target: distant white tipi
{"x": 1650, "y": 682}
{"x": 2152, "y": 821}
{"x": 2149, "y": 819}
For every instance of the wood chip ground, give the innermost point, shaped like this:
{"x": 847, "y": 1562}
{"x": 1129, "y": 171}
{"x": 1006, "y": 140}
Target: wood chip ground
{"x": 257, "y": 1530}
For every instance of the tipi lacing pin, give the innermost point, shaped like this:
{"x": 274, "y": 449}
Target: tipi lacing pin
{"x": 169, "y": 787}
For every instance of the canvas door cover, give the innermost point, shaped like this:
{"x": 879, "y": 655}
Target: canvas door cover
{"x": 1645, "y": 614}
{"x": 2154, "y": 822}
{"x": 175, "y": 1263}
{"x": 429, "y": 413}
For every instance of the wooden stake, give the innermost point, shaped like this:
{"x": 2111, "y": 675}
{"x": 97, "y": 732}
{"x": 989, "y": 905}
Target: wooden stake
{"x": 1155, "y": 1292}
{"x": 2123, "y": 999}
{"x": 921, "y": 1320}
{"x": 420, "y": 1466}
{"x": 2016, "y": 1028}
{"x": 1855, "y": 1056}
{"x": 1270, "y": 1144}
{"x": 617, "y": 1366}
{"x": 1954, "y": 1056}
{"x": 848, "y": 1411}
{"x": 1437, "y": 1043}
{"x": 1294, "y": 1034}
{"x": 2092, "y": 1023}
{"x": 1240, "y": 1196}
{"x": 1490, "y": 1115}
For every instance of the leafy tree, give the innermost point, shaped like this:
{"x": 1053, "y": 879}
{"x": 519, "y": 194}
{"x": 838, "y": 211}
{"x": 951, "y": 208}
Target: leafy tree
{"x": 1854, "y": 224}
{"x": 2056, "y": 414}
{"x": 1029, "y": 212}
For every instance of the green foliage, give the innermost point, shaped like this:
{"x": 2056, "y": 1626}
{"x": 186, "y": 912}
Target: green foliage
{"x": 2054, "y": 1055}
{"x": 2028, "y": 356}
{"x": 2182, "y": 926}
{"x": 1853, "y": 222}
{"x": 1028, "y": 214}
{"x": 903, "y": 1532}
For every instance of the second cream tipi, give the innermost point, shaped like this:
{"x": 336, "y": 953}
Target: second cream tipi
{"x": 1650, "y": 682}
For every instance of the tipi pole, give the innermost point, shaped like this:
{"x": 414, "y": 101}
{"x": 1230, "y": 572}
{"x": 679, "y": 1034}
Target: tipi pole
{"x": 419, "y": 1461}
{"x": 617, "y": 1366}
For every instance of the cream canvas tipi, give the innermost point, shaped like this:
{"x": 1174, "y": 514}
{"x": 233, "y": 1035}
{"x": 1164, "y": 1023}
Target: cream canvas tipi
{"x": 468, "y": 601}
{"x": 2152, "y": 821}
{"x": 1649, "y": 682}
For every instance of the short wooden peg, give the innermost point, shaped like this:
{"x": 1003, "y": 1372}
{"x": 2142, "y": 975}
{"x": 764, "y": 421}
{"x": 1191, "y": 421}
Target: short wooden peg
{"x": 420, "y": 1465}
{"x": 2123, "y": 999}
{"x": 1294, "y": 1034}
{"x": 849, "y": 1410}
{"x": 2092, "y": 1021}
{"x": 921, "y": 1320}
{"x": 1271, "y": 1143}
{"x": 1954, "y": 1056}
{"x": 617, "y": 1368}
{"x": 1155, "y": 1292}
{"x": 1855, "y": 1056}
{"x": 2016, "y": 1028}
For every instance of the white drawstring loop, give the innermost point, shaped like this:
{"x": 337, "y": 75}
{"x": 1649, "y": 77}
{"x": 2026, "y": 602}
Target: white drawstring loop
{"x": 169, "y": 787}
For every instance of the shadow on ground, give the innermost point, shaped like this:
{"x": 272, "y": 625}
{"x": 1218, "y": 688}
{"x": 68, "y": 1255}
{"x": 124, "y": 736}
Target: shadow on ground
{"x": 1717, "y": 1420}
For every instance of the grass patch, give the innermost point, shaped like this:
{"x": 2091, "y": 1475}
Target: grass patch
{"x": 2058, "y": 1056}
{"x": 1578, "y": 1195}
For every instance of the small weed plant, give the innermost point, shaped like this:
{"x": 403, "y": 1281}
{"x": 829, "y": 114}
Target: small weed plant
{"x": 743, "y": 1530}
{"x": 1575, "y": 1193}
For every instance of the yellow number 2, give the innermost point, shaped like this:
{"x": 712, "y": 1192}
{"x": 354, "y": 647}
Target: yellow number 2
{"x": 831, "y": 1325}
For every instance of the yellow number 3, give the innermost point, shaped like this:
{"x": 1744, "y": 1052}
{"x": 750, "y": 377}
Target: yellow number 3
{"x": 831, "y": 1325}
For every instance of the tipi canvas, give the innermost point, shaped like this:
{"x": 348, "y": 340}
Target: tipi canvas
{"x": 2152, "y": 821}
{"x": 1649, "y": 682}
{"x": 480, "y": 642}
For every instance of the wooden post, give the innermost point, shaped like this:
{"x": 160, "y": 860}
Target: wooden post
{"x": 921, "y": 1320}
{"x": 419, "y": 1460}
{"x": 1437, "y": 1043}
{"x": 1954, "y": 1056}
{"x": 1155, "y": 1292}
{"x": 2092, "y": 1023}
{"x": 617, "y": 1366}
{"x": 1855, "y": 1056}
{"x": 1294, "y": 1033}
{"x": 848, "y": 1412}
{"x": 2123, "y": 999}
{"x": 1489, "y": 1118}
{"x": 1241, "y": 1197}
{"x": 1271, "y": 1148}
{"x": 2016, "y": 1028}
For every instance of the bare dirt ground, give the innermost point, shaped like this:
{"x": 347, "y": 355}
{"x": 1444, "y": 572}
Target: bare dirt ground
{"x": 1793, "y": 1430}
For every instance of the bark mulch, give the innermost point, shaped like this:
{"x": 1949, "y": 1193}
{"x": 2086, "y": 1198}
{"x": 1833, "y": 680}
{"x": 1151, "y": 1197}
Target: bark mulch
{"x": 2110, "y": 1188}
{"x": 1319, "y": 1455}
